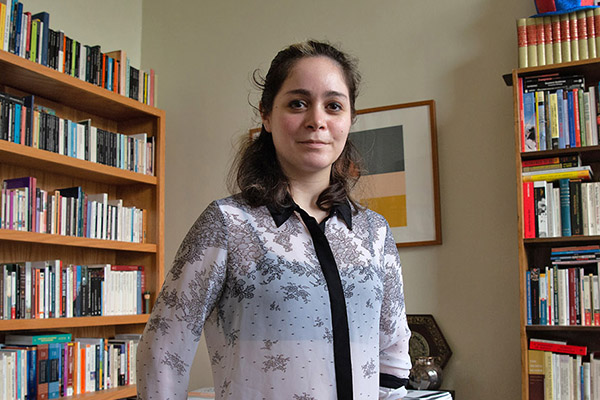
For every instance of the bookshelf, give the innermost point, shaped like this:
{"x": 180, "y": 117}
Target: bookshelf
{"x": 77, "y": 100}
{"x": 536, "y": 251}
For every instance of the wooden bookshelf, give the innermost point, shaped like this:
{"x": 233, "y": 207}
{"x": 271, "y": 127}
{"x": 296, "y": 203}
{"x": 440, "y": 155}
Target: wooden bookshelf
{"x": 536, "y": 252}
{"x": 77, "y": 100}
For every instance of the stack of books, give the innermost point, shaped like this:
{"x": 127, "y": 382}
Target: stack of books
{"x": 53, "y": 289}
{"x": 29, "y": 36}
{"x": 49, "y": 365}
{"x": 559, "y": 38}
{"x": 24, "y": 122}
{"x": 567, "y": 292}
{"x": 558, "y": 370}
{"x": 557, "y": 112}
{"x": 68, "y": 211}
{"x": 559, "y": 200}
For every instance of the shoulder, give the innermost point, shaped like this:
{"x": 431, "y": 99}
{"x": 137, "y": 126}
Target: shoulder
{"x": 234, "y": 209}
{"x": 368, "y": 218}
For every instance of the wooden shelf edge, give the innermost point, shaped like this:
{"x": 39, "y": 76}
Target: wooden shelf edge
{"x": 44, "y": 73}
{"x": 73, "y": 241}
{"x": 560, "y": 240}
{"x": 108, "y": 394}
{"x": 18, "y": 154}
{"x": 545, "y": 68}
{"x": 78, "y": 322}
{"x": 575, "y": 328}
{"x": 556, "y": 152}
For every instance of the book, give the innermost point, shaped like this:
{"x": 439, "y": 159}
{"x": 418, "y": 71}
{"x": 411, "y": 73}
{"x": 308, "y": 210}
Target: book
{"x": 557, "y": 348}
{"x": 37, "y": 338}
{"x": 582, "y": 172}
{"x": 529, "y": 213}
{"x": 44, "y": 17}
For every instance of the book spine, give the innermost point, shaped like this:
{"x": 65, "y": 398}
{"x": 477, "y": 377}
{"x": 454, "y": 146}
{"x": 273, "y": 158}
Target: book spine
{"x": 565, "y": 206}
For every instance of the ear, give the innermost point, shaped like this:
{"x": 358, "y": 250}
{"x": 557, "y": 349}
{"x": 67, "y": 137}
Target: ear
{"x": 266, "y": 119}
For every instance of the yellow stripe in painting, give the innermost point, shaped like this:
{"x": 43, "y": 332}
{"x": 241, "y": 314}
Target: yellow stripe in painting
{"x": 393, "y": 208}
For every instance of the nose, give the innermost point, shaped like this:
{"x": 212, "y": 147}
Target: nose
{"x": 315, "y": 119}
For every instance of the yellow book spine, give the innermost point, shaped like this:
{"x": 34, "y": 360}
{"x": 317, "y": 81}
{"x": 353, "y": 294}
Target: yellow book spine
{"x": 554, "y": 176}
{"x": 2, "y": 19}
{"x": 554, "y": 132}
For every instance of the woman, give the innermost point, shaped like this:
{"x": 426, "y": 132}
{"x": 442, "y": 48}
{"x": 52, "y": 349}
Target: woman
{"x": 297, "y": 287}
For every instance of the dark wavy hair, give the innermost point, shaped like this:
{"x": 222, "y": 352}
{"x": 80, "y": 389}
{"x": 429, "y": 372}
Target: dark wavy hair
{"x": 256, "y": 172}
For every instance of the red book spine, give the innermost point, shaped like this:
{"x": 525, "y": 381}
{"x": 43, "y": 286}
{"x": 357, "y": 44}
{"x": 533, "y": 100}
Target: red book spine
{"x": 572, "y": 301}
{"x": 576, "y": 117}
{"x": 558, "y": 348}
{"x": 42, "y": 371}
{"x": 528, "y": 211}
{"x": 28, "y": 41}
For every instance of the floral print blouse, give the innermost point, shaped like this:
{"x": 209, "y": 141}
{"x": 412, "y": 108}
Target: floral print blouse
{"x": 251, "y": 281}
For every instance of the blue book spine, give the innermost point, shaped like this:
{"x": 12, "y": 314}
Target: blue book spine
{"x": 73, "y": 131}
{"x": 565, "y": 109}
{"x": 17, "y": 135}
{"x": 54, "y": 370}
{"x": 528, "y": 290}
{"x": 18, "y": 27}
{"x": 20, "y": 377}
{"x": 565, "y": 206}
{"x": 529, "y": 125}
{"x": 561, "y": 120}
{"x": 31, "y": 374}
{"x": 77, "y": 310}
{"x": 109, "y": 83}
{"x": 571, "y": 113}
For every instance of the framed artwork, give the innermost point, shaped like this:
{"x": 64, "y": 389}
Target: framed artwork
{"x": 427, "y": 339}
{"x": 399, "y": 147}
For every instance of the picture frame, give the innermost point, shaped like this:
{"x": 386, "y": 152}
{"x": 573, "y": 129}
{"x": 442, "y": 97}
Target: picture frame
{"x": 399, "y": 145}
{"x": 427, "y": 339}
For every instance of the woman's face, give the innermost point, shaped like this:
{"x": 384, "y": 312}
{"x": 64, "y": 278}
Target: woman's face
{"x": 311, "y": 118}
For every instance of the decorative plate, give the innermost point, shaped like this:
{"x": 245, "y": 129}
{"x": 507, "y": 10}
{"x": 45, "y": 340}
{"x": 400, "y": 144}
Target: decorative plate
{"x": 427, "y": 339}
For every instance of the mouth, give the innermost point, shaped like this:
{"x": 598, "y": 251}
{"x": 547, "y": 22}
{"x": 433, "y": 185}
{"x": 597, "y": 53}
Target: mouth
{"x": 313, "y": 143}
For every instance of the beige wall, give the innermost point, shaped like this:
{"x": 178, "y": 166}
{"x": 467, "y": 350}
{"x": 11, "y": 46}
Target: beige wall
{"x": 451, "y": 51}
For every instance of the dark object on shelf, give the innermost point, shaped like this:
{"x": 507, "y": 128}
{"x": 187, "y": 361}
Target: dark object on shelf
{"x": 425, "y": 374}
{"x": 427, "y": 339}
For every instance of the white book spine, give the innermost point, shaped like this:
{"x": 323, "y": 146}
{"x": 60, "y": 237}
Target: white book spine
{"x": 585, "y": 205}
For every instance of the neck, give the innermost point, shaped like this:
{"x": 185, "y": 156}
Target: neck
{"x": 306, "y": 192}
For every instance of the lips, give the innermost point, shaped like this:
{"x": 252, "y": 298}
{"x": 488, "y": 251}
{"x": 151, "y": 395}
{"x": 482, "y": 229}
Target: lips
{"x": 315, "y": 142}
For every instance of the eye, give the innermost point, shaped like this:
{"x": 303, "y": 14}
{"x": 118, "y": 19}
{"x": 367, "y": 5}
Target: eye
{"x": 334, "y": 106}
{"x": 297, "y": 104}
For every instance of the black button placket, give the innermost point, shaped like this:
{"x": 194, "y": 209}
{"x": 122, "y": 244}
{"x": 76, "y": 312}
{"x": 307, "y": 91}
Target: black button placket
{"x": 339, "y": 316}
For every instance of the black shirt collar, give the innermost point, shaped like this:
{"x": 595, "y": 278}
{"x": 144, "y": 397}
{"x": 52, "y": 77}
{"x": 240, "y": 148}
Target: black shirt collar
{"x": 343, "y": 211}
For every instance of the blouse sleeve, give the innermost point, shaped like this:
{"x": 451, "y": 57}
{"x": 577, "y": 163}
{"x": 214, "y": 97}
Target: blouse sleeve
{"x": 394, "y": 360}
{"x": 190, "y": 291}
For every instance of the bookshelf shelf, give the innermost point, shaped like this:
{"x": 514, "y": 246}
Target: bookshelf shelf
{"x": 17, "y": 154}
{"x": 561, "y": 241}
{"x": 110, "y": 394}
{"x": 536, "y": 252}
{"x": 55, "y": 86}
{"x": 72, "y": 241}
{"x": 77, "y": 100}
{"x": 589, "y": 151}
{"x": 61, "y": 323}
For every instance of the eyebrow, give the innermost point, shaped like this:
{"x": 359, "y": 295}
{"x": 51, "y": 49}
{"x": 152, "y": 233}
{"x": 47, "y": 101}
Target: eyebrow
{"x": 304, "y": 92}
